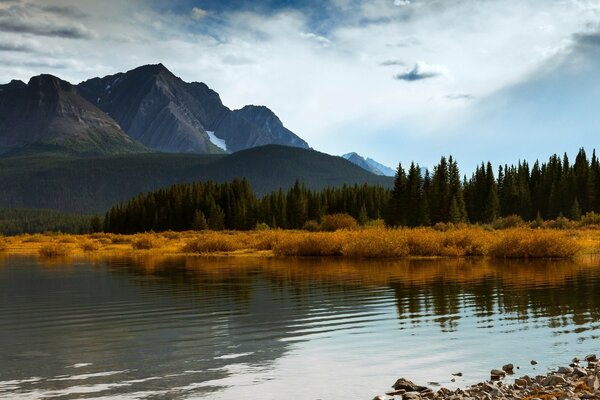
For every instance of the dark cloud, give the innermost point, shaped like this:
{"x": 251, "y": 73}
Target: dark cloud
{"x": 588, "y": 39}
{"x": 389, "y": 63}
{"x": 15, "y": 47}
{"x": 419, "y": 72}
{"x": 52, "y": 30}
{"x": 65, "y": 11}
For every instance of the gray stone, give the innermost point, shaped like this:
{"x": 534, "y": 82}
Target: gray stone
{"x": 408, "y": 386}
{"x": 580, "y": 372}
{"x": 533, "y": 362}
{"x": 553, "y": 380}
{"x": 591, "y": 357}
{"x": 508, "y": 368}
{"x": 565, "y": 370}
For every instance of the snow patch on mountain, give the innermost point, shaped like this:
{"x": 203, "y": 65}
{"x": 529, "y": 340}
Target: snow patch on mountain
{"x": 220, "y": 143}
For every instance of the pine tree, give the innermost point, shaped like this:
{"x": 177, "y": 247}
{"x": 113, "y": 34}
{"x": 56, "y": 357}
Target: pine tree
{"x": 575, "y": 210}
{"x": 199, "y": 222}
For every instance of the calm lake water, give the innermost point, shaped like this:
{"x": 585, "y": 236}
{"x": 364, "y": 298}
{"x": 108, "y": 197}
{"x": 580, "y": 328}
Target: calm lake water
{"x": 294, "y": 329}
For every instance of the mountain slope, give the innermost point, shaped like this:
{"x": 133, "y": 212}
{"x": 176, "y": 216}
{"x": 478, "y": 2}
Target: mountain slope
{"x": 167, "y": 114}
{"x": 94, "y": 184}
{"x": 48, "y": 115}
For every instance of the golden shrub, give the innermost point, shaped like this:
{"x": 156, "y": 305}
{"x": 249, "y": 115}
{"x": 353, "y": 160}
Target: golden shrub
{"x": 54, "y": 250}
{"x": 212, "y": 242}
{"x": 334, "y": 222}
{"x": 143, "y": 243}
{"x": 89, "y": 245}
{"x": 527, "y": 243}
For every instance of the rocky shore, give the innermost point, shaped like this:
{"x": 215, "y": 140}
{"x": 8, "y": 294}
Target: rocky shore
{"x": 580, "y": 380}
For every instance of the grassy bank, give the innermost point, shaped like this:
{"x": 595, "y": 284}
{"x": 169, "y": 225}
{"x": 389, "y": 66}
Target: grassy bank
{"x": 360, "y": 243}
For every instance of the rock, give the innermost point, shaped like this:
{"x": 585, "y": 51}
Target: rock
{"x": 396, "y": 392}
{"x": 593, "y": 382}
{"x": 453, "y": 380}
{"x": 591, "y": 357}
{"x": 533, "y": 362}
{"x": 553, "y": 380}
{"x": 565, "y": 370}
{"x": 575, "y": 360}
{"x": 411, "y": 396}
{"x": 408, "y": 386}
{"x": 457, "y": 374}
{"x": 380, "y": 397}
{"x": 521, "y": 382}
{"x": 580, "y": 372}
{"x": 508, "y": 368}
{"x": 498, "y": 372}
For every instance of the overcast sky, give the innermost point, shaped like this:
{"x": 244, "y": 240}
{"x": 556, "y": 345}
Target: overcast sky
{"x": 396, "y": 80}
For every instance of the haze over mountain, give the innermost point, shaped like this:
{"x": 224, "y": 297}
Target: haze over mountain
{"x": 47, "y": 114}
{"x": 369, "y": 164}
{"x": 167, "y": 114}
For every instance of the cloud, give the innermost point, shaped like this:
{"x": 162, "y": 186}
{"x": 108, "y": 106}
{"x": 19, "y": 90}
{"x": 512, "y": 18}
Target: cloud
{"x": 48, "y": 20}
{"x": 16, "y": 47}
{"x": 62, "y": 31}
{"x": 460, "y": 96}
{"x": 322, "y": 40}
{"x": 422, "y": 71}
{"x": 198, "y": 13}
{"x": 389, "y": 63}
{"x": 590, "y": 39}
{"x": 65, "y": 11}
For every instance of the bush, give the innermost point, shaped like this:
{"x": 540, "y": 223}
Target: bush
{"x": 212, "y": 243}
{"x": 311, "y": 226}
{"x": 89, "y": 245}
{"x": 512, "y": 221}
{"x": 590, "y": 218}
{"x": 143, "y": 243}
{"x": 120, "y": 239}
{"x": 376, "y": 244}
{"x": 559, "y": 223}
{"x": 54, "y": 250}
{"x": 525, "y": 243}
{"x": 334, "y": 222}
{"x": 261, "y": 226}
{"x": 3, "y": 244}
{"x": 310, "y": 244}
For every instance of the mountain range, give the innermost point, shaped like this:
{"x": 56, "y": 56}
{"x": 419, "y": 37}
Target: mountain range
{"x": 81, "y": 148}
{"x": 145, "y": 109}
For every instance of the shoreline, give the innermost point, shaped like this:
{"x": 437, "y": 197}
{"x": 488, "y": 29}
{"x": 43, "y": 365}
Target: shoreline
{"x": 380, "y": 243}
{"x": 580, "y": 380}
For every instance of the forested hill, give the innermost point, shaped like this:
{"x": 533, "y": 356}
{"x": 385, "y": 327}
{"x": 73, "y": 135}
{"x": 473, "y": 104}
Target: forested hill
{"x": 94, "y": 184}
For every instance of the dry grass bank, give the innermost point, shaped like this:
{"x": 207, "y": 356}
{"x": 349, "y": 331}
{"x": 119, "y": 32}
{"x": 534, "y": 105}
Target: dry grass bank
{"x": 359, "y": 243}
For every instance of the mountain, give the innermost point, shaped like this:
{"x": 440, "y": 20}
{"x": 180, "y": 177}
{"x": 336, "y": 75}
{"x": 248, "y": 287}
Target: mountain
{"x": 369, "y": 164}
{"x": 48, "y": 115}
{"x": 94, "y": 184}
{"x": 163, "y": 112}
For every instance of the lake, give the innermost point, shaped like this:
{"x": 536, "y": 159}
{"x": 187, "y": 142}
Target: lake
{"x": 170, "y": 328}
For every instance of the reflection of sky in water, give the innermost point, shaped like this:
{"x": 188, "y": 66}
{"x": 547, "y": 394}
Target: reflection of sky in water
{"x": 299, "y": 329}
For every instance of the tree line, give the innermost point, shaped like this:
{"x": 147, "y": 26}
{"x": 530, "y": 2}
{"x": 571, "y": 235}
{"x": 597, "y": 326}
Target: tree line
{"x": 234, "y": 206}
{"x": 419, "y": 198}
{"x": 542, "y": 191}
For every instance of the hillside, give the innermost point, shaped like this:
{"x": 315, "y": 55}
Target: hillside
{"x": 94, "y": 184}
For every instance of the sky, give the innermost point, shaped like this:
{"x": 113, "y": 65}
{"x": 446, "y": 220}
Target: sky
{"x": 395, "y": 80}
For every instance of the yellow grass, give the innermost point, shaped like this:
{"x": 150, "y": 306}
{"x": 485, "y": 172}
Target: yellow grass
{"x": 373, "y": 242}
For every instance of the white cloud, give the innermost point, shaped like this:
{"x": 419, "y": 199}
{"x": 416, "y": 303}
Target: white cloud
{"x": 325, "y": 84}
{"x": 198, "y": 13}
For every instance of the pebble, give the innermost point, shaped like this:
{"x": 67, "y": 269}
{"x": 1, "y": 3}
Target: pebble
{"x": 568, "y": 383}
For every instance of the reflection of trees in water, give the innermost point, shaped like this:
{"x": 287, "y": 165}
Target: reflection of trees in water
{"x": 440, "y": 290}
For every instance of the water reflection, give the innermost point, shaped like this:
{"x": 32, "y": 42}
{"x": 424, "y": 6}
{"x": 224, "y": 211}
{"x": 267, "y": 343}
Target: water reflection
{"x": 151, "y": 327}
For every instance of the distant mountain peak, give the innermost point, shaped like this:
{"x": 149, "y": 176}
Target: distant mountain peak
{"x": 369, "y": 164}
{"x": 49, "y": 83}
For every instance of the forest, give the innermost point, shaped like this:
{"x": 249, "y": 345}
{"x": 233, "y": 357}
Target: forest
{"x": 543, "y": 191}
